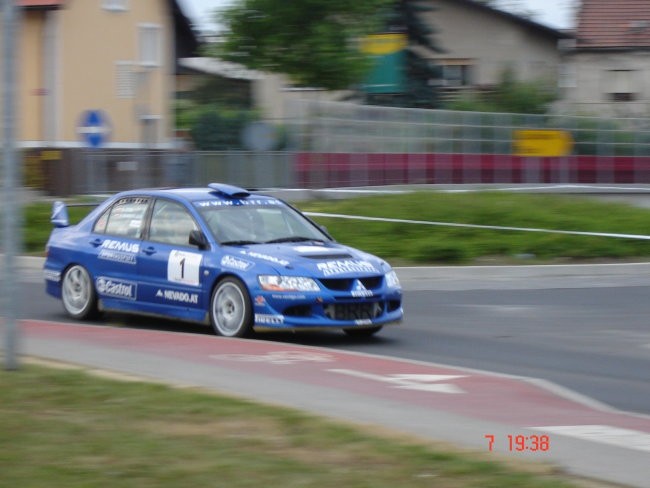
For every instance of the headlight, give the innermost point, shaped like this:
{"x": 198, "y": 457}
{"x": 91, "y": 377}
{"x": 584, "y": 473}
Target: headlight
{"x": 287, "y": 283}
{"x": 391, "y": 280}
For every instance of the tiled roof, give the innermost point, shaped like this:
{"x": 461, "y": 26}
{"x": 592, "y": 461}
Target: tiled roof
{"x": 606, "y": 24}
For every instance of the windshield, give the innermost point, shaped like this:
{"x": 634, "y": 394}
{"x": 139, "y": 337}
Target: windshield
{"x": 251, "y": 224}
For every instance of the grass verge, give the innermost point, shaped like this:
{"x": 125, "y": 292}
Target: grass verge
{"x": 66, "y": 428}
{"x": 433, "y": 244}
{"x": 419, "y": 244}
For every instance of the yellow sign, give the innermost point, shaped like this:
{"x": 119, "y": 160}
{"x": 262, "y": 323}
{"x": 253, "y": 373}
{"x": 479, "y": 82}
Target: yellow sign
{"x": 541, "y": 143}
{"x": 50, "y": 155}
{"x": 381, "y": 44}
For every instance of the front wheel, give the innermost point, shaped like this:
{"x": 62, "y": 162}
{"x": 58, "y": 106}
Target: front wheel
{"x": 78, "y": 293}
{"x": 230, "y": 308}
{"x": 363, "y": 332}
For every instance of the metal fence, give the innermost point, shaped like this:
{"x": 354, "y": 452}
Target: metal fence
{"x": 343, "y": 144}
{"x": 321, "y": 126}
{"x": 92, "y": 172}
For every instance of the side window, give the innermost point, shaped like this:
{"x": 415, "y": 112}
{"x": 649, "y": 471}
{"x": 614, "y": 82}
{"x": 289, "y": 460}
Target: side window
{"x": 171, "y": 223}
{"x": 124, "y": 218}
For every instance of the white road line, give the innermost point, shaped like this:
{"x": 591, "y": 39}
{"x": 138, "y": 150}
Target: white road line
{"x": 422, "y": 382}
{"x": 477, "y": 226}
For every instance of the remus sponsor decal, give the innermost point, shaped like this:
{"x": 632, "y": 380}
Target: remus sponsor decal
{"x": 119, "y": 251}
{"x": 117, "y": 256}
{"x": 236, "y": 263}
{"x": 343, "y": 266}
{"x": 116, "y": 288}
{"x": 113, "y": 245}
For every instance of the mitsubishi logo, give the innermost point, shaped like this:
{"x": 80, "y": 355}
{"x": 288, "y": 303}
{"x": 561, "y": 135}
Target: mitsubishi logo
{"x": 358, "y": 290}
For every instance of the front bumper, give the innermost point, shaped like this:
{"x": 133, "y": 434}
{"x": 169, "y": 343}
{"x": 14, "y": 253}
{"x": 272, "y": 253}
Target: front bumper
{"x": 295, "y": 310}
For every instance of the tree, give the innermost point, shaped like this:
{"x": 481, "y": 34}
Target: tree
{"x": 510, "y": 96}
{"x": 421, "y": 72}
{"x": 315, "y": 42}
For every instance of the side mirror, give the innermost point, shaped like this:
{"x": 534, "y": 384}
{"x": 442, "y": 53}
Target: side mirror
{"x": 198, "y": 239}
{"x": 59, "y": 216}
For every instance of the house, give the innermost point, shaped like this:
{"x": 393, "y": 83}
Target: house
{"x": 480, "y": 43}
{"x": 99, "y": 73}
{"x": 607, "y": 70}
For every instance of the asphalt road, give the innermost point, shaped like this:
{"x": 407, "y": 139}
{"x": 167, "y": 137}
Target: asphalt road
{"x": 581, "y": 327}
{"x": 584, "y": 328}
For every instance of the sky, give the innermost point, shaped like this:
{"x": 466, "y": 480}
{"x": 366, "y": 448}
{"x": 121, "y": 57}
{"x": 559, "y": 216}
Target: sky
{"x": 553, "y": 13}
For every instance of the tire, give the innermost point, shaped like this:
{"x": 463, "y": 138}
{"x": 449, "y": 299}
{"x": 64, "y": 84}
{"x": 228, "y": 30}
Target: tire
{"x": 78, "y": 293}
{"x": 230, "y": 309}
{"x": 363, "y": 332}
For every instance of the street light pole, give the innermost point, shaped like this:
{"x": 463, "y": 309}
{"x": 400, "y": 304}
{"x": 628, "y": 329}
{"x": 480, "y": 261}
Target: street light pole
{"x": 9, "y": 206}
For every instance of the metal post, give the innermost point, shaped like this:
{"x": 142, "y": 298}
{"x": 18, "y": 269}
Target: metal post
{"x": 9, "y": 229}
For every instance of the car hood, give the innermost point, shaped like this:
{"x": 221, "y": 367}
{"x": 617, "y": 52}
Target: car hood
{"x": 329, "y": 260}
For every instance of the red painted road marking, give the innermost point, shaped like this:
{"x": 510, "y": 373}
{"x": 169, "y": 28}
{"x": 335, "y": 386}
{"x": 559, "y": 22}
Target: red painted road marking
{"x": 486, "y": 396}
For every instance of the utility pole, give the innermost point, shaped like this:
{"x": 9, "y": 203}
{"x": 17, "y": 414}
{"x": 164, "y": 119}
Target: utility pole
{"x": 9, "y": 194}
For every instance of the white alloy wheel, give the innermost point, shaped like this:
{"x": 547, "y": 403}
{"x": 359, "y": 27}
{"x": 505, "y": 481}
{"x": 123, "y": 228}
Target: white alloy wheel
{"x": 78, "y": 293}
{"x": 230, "y": 308}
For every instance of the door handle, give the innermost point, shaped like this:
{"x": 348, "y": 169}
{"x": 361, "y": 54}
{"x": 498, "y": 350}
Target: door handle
{"x": 149, "y": 251}
{"x": 96, "y": 242}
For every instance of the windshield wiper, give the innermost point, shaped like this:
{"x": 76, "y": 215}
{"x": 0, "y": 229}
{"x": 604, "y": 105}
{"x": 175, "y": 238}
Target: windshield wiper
{"x": 294, "y": 239}
{"x": 237, "y": 243}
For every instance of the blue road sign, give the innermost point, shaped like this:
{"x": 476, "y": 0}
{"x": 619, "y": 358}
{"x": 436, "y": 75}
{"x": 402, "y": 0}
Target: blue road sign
{"x": 94, "y": 128}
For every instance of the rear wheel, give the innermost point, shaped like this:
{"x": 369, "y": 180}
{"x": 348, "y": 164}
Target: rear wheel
{"x": 230, "y": 308}
{"x": 363, "y": 332}
{"x": 78, "y": 293}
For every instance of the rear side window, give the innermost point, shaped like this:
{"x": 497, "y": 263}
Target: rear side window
{"x": 124, "y": 218}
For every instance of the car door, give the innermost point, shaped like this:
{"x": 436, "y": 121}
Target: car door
{"x": 113, "y": 248}
{"x": 168, "y": 266}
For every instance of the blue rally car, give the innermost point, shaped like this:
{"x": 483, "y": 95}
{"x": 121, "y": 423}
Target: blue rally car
{"x": 218, "y": 255}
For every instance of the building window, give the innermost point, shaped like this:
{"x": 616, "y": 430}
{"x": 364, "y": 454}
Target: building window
{"x": 567, "y": 76}
{"x": 125, "y": 79}
{"x": 150, "y": 40}
{"x": 456, "y": 72}
{"x": 115, "y": 5}
{"x": 622, "y": 85}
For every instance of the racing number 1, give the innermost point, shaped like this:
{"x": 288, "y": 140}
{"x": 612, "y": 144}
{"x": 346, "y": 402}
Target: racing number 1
{"x": 183, "y": 267}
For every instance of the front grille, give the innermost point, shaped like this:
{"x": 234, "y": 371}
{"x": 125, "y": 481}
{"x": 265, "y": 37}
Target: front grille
{"x": 372, "y": 283}
{"x": 346, "y": 284}
{"x": 298, "y": 311}
{"x": 337, "y": 284}
{"x": 354, "y": 311}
